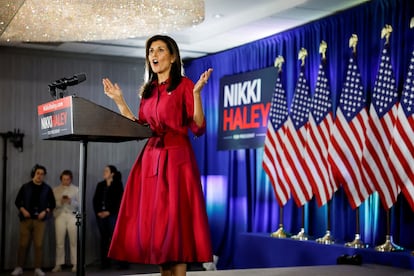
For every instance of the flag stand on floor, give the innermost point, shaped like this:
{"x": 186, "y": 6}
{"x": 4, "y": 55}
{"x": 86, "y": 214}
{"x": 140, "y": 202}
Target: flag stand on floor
{"x": 301, "y": 236}
{"x": 357, "y": 242}
{"x": 328, "y": 238}
{"x": 280, "y": 233}
{"x": 389, "y": 245}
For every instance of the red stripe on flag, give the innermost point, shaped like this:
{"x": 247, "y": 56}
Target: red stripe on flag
{"x": 401, "y": 155}
{"x": 271, "y": 164}
{"x": 347, "y": 141}
{"x": 293, "y": 163}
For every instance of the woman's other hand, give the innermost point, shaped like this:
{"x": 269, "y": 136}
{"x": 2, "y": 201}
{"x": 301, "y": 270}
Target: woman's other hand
{"x": 113, "y": 91}
{"x": 202, "y": 81}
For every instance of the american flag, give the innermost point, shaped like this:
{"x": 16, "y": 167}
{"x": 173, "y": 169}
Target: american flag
{"x": 348, "y": 137}
{"x": 318, "y": 139}
{"x": 402, "y": 146}
{"x": 382, "y": 117}
{"x": 273, "y": 153}
{"x": 295, "y": 141}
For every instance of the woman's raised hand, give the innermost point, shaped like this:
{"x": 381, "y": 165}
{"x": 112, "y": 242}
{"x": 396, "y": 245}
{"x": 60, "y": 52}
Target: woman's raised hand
{"x": 113, "y": 91}
{"x": 202, "y": 81}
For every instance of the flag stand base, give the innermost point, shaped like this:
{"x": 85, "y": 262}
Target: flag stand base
{"x": 279, "y": 233}
{"x": 388, "y": 246}
{"x": 327, "y": 239}
{"x": 356, "y": 243}
{"x": 301, "y": 236}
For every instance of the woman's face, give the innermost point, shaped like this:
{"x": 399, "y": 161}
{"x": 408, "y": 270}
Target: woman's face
{"x": 66, "y": 180}
{"x": 160, "y": 57}
{"x": 107, "y": 175}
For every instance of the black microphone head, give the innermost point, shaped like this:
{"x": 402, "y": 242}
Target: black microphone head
{"x": 65, "y": 82}
{"x": 80, "y": 77}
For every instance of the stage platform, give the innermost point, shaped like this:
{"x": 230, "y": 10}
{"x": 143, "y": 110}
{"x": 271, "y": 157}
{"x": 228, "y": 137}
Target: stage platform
{"x": 259, "y": 254}
{"x": 257, "y": 250}
{"x": 330, "y": 270}
{"x": 335, "y": 270}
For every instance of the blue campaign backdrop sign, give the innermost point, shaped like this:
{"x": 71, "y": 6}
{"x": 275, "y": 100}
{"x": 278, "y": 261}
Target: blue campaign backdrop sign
{"x": 244, "y": 107}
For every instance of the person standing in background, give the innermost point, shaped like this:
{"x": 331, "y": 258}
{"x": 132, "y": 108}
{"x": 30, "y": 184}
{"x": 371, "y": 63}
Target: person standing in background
{"x": 34, "y": 201}
{"x": 67, "y": 204}
{"x": 106, "y": 202}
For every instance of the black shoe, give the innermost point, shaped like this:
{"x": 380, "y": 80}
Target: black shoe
{"x": 350, "y": 260}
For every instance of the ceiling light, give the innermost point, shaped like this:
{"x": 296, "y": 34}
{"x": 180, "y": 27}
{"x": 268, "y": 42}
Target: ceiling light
{"x": 87, "y": 20}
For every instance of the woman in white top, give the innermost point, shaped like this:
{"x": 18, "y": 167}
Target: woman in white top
{"x": 67, "y": 202}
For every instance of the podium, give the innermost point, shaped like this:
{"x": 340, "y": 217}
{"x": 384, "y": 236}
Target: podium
{"x": 77, "y": 119}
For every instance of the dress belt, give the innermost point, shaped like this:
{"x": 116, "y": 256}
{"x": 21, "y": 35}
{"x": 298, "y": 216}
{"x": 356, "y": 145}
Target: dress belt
{"x": 169, "y": 140}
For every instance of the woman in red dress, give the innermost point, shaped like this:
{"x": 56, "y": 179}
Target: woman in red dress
{"x": 162, "y": 218}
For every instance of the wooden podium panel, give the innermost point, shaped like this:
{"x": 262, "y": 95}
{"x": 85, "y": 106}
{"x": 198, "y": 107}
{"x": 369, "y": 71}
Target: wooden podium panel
{"x": 77, "y": 119}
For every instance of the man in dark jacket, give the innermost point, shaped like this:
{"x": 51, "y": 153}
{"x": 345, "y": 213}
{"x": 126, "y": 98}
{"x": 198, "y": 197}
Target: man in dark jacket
{"x": 35, "y": 201}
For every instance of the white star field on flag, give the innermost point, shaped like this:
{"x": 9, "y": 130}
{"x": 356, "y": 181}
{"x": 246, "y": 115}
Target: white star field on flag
{"x": 301, "y": 102}
{"x": 352, "y": 98}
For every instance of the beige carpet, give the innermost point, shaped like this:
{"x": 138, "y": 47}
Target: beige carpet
{"x": 334, "y": 270}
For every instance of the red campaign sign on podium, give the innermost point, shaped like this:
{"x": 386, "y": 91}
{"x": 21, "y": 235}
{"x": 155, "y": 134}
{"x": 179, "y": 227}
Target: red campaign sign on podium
{"x": 244, "y": 107}
{"x": 55, "y": 118}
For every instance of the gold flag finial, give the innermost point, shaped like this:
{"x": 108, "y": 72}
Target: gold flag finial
{"x": 279, "y": 62}
{"x": 302, "y": 55}
{"x": 322, "y": 49}
{"x": 412, "y": 22}
{"x": 386, "y": 32}
{"x": 353, "y": 41}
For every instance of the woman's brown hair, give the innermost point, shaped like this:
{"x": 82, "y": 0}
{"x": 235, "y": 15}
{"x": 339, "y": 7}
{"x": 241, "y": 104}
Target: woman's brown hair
{"x": 176, "y": 67}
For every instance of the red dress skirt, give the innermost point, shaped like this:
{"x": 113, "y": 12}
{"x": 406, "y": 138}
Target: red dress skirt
{"x": 163, "y": 216}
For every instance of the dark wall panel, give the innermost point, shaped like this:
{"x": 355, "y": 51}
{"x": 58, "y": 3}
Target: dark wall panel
{"x": 24, "y": 78}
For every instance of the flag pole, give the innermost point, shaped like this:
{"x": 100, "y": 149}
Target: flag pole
{"x": 389, "y": 245}
{"x": 327, "y": 239}
{"x": 357, "y": 242}
{"x": 301, "y": 236}
{"x": 280, "y": 232}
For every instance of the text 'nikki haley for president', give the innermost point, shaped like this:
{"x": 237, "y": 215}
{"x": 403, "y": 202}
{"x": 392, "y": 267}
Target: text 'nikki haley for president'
{"x": 244, "y": 107}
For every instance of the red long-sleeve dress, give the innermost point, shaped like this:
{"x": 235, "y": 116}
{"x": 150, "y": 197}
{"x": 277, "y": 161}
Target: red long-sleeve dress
{"x": 163, "y": 216}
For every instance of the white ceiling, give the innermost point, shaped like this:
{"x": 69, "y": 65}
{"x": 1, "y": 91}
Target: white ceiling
{"x": 227, "y": 24}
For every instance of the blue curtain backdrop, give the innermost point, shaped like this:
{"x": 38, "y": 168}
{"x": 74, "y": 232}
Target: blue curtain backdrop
{"x": 238, "y": 194}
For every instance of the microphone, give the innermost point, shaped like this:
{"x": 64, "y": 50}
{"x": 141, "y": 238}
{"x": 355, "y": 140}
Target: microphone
{"x": 64, "y": 82}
